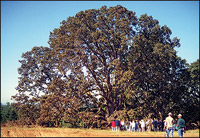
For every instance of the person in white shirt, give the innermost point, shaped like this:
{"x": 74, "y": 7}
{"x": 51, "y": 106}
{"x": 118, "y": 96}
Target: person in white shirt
{"x": 132, "y": 124}
{"x": 122, "y": 125}
{"x": 170, "y": 122}
{"x": 142, "y": 125}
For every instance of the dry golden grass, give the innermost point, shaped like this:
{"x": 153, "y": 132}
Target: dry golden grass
{"x": 71, "y": 132}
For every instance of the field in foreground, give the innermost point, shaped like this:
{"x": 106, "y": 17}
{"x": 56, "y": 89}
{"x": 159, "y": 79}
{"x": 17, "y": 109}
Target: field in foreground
{"x": 72, "y": 132}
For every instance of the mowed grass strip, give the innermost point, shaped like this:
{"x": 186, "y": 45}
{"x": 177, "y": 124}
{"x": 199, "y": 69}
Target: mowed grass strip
{"x": 76, "y": 132}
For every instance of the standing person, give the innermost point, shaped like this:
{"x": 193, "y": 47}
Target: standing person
{"x": 155, "y": 124}
{"x": 127, "y": 125}
{"x": 160, "y": 125}
{"x": 139, "y": 126}
{"x": 122, "y": 125}
{"x": 174, "y": 126}
{"x": 146, "y": 125}
{"x": 142, "y": 125}
{"x": 152, "y": 128}
{"x": 170, "y": 121}
{"x": 132, "y": 125}
{"x": 165, "y": 125}
{"x": 150, "y": 125}
{"x": 117, "y": 125}
{"x": 180, "y": 125}
{"x": 136, "y": 125}
{"x": 113, "y": 125}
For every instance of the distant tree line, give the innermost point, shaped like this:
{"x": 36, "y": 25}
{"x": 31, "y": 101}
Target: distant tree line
{"x": 8, "y": 113}
{"x": 102, "y": 63}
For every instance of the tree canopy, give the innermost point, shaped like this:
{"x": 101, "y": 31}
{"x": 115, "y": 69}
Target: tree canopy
{"x": 102, "y": 61}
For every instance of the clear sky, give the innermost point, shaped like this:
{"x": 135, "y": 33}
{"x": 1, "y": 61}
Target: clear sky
{"x": 25, "y": 24}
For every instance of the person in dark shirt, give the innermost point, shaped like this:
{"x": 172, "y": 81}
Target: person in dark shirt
{"x": 155, "y": 123}
{"x": 162, "y": 125}
{"x": 180, "y": 125}
{"x": 117, "y": 124}
{"x": 136, "y": 125}
{"x": 159, "y": 125}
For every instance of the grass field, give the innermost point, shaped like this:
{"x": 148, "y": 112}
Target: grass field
{"x": 72, "y": 132}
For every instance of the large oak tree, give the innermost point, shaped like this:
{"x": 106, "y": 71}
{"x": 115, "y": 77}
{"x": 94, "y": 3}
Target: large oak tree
{"x": 101, "y": 61}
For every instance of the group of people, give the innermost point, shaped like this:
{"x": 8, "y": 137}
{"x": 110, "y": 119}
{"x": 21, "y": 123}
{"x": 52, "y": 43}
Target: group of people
{"x": 135, "y": 125}
{"x": 151, "y": 125}
{"x": 125, "y": 125}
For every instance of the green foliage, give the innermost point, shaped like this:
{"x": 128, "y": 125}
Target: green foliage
{"x": 8, "y": 113}
{"x": 194, "y": 73}
{"x": 66, "y": 124}
{"x": 190, "y": 97}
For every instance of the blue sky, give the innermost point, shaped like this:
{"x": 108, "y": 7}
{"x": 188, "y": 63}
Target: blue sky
{"x": 25, "y": 24}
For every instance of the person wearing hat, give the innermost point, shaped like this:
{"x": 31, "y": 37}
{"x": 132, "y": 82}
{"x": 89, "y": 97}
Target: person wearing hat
{"x": 180, "y": 125}
{"x": 169, "y": 121}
